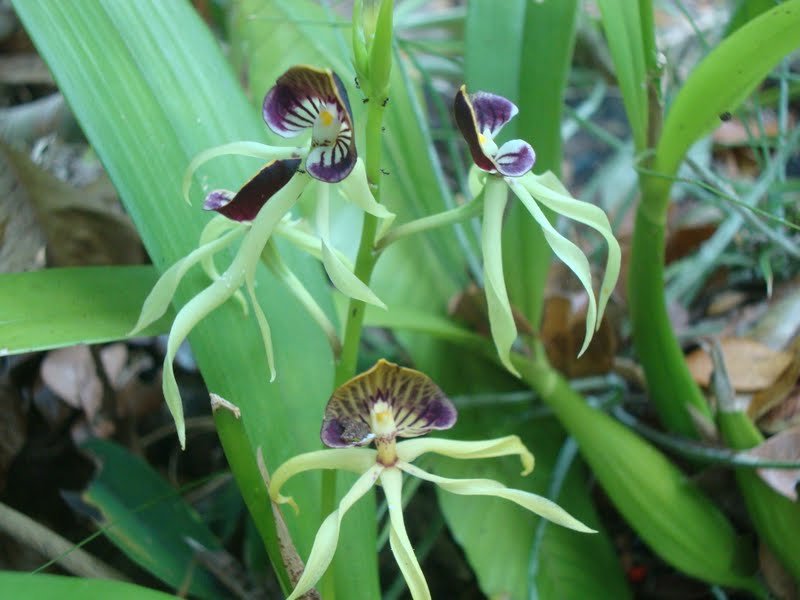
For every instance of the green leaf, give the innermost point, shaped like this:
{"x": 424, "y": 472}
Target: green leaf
{"x": 623, "y": 27}
{"x": 148, "y": 520}
{"x": 57, "y": 587}
{"x": 570, "y": 564}
{"x": 151, "y": 90}
{"x": 60, "y": 307}
{"x": 725, "y": 78}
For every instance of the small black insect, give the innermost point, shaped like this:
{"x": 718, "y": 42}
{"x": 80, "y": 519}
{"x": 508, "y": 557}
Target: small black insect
{"x": 383, "y": 129}
{"x": 384, "y": 171}
{"x": 301, "y": 171}
{"x": 358, "y": 85}
{"x": 385, "y": 101}
{"x": 365, "y": 100}
{"x": 726, "y": 116}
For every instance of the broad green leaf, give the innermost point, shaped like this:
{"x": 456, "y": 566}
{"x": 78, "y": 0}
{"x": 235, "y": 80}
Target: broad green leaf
{"x": 623, "y": 27}
{"x": 148, "y": 520}
{"x": 82, "y": 305}
{"x": 718, "y": 84}
{"x": 725, "y": 78}
{"x": 57, "y": 587}
{"x": 570, "y": 564}
{"x": 151, "y": 89}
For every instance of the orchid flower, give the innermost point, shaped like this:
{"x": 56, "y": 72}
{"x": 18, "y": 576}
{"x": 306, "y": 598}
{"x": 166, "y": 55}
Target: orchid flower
{"x": 383, "y": 404}
{"x": 303, "y": 98}
{"x": 480, "y": 117}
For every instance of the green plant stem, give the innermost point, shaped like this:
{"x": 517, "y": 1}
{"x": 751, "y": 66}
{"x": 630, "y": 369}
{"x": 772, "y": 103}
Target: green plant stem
{"x": 669, "y": 384}
{"x": 650, "y": 492}
{"x": 448, "y": 217}
{"x": 365, "y": 263}
{"x": 236, "y": 442}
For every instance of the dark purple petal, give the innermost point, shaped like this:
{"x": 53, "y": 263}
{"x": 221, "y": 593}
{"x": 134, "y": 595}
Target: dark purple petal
{"x": 514, "y": 158}
{"x": 245, "y": 204}
{"x": 416, "y": 402}
{"x": 468, "y": 124}
{"x": 331, "y": 163}
{"x": 299, "y": 95}
{"x": 491, "y": 112}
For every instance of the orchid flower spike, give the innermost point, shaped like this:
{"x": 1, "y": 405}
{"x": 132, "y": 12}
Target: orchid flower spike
{"x": 480, "y": 117}
{"x": 383, "y": 404}
{"x": 303, "y": 98}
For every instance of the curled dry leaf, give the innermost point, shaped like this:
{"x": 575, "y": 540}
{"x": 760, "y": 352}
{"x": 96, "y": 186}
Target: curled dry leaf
{"x": 563, "y": 326}
{"x": 77, "y": 224}
{"x": 784, "y": 446}
{"x": 751, "y": 365}
{"x": 72, "y": 374}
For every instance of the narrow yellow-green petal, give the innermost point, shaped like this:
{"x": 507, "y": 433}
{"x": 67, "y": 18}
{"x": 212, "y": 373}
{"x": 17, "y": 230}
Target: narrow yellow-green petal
{"x": 160, "y": 297}
{"x": 356, "y": 189}
{"x": 410, "y": 450}
{"x": 569, "y": 253}
{"x": 308, "y": 242}
{"x": 190, "y": 315}
{"x": 476, "y": 179}
{"x": 261, "y": 319}
{"x": 213, "y": 229}
{"x": 548, "y": 189}
{"x": 328, "y": 535}
{"x": 342, "y": 278}
{"x": 488, "y": 487}
{"x": 501, "y": 319}
{"x": 357, "y": 460}
{"x": 277, "y": 265}
{"x": 392, "y": 480}
{"x": 253, "y": 149}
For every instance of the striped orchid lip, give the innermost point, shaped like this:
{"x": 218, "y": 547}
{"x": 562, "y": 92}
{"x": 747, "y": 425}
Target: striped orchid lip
{"x": 304, "y": 98}
{"x": 244, "y": 205}
{"x": 480, "y": 117}
{"x": 384, "y": 403}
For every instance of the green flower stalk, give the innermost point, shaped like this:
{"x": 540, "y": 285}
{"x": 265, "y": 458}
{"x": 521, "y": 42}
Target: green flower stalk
{"x": 480, "y": 117}
{"x": 383, "y": 404}
{"x": 303, "y": 98}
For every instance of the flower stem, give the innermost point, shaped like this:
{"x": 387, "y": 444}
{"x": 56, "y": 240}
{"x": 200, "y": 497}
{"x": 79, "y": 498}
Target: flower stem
{"x": 366, "y": 257}
{"x": 448, "y": 217}
{"x": 365, "y": 263}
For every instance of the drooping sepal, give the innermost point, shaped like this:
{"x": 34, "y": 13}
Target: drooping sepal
{"x": 245, "y": 204}
{"x": 416, "y": 403}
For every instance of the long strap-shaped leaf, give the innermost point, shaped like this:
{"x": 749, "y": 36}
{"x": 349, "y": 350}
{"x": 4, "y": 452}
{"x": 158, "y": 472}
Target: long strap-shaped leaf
{"x": 151, "y": 90}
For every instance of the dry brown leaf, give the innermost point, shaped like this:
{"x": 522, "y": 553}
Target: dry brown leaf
{"x": 469, "y": 307}
{"x": 783, "y": 415}
{"x": 784, "y": 446}
{"x": 751, "y": 365}
{"x": 563, "y": 330}
{"x": 77, "y": 224}
{"x": 779, "y": 580}
{"x": 22, "y": 240}
{"x": 71, "y": 373}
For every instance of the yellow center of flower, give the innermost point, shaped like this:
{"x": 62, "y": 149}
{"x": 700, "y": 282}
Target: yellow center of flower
{"x": 481, "y": 138}
{"x": 326, "y": 117}
{"x": 384, "y": 428}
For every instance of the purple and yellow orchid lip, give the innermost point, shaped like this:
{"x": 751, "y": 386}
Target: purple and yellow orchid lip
{"x": 386, "y": 402}
{"x": 308, "y": 98}
{"x": 245, "y": 204}
{"x": 480, "y": 117}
